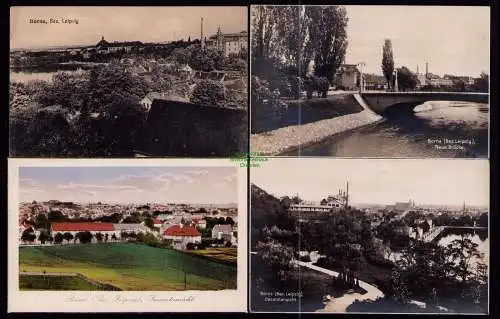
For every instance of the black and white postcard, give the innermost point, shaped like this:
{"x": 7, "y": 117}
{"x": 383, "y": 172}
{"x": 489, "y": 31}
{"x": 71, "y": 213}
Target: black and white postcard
{"x": 370, "y": 81}
{"x": 369, "y": 236}
{"x": 128, "y": 81}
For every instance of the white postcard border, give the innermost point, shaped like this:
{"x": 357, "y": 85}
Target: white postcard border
{"x": 125, "y": 301}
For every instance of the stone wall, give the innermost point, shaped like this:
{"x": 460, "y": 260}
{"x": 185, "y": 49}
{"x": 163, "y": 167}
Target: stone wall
{"x": 175, "y": 128}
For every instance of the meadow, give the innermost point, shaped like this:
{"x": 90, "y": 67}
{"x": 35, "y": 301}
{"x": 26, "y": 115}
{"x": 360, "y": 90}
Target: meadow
{"x": 225, "y": 255}
{"x": 130, "y": 267}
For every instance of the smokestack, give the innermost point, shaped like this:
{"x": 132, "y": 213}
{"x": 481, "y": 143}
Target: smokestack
{"x": 202, "y": 39}
{"x": 426, "y": 69}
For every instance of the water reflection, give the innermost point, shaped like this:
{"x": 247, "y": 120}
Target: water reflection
{"x": 436, "y": 129}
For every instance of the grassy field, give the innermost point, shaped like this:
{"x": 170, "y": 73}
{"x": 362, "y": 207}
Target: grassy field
{"x": 130, "y": 266}
{"x": 29, "y": 282}
{"x": 218, "y": 254}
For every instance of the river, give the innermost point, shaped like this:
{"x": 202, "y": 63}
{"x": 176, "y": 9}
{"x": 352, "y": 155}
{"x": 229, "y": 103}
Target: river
{"x": 435, "y": 129}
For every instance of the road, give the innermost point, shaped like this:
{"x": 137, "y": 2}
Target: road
{"x": 340, "y": 304}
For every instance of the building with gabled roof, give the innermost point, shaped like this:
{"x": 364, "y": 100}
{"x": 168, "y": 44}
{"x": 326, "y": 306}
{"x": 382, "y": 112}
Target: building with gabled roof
{"x": 182, "y": 235}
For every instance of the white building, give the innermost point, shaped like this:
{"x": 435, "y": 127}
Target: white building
{"x": 182, "y": 235}
{"x": 93, "y": 228}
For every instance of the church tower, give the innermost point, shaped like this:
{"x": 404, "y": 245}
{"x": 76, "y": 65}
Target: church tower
{"x": 220, "y": 40}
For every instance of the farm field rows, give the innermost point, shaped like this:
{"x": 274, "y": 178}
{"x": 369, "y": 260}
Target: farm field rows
{"x": 222, "y": 254}
{"x": 131, "y": 267}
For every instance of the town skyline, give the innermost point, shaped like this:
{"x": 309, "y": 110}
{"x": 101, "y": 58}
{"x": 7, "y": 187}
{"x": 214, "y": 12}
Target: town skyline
{"x": 130, "y": 185}
{"x": 453, "y": 40}
{"x": 378, "y": 182}
{"x": 119, "y": 24}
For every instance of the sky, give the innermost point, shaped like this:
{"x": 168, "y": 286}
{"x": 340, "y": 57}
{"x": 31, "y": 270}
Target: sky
{"x": 146, "y": 24}
{"x": 453, "y": 40}
{"x": 378, "y": 181}
{"x": 189, "y": 185}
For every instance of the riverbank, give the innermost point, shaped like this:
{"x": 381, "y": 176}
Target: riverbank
{"x": 293, "y": 137}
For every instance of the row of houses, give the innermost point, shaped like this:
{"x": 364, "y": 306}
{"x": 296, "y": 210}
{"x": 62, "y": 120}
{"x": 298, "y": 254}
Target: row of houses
{"x": 180, "y": 234}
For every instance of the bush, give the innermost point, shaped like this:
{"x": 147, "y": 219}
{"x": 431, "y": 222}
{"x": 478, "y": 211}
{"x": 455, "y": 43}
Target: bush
{"x": 318, "y": 84}
{"x": 208, "y": 92}
{"x": 190, "y": 246}
{"x": 260, "y": 90}
{"x": 305, "y": 258}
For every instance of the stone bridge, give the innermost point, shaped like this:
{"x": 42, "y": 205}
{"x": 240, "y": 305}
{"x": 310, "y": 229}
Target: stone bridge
{"x": 382, "y": 102}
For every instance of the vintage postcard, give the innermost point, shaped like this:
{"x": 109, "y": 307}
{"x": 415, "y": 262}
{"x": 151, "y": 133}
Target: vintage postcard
{"x": 127, "y": 235}
{"x": 370, "y": 81}
{"x": 370, "y": 236}
{"x": 128, "y": 81}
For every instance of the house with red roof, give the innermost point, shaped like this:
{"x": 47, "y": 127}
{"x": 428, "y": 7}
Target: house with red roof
{"x": 93, "y": 228}
{"x": 182, "y": 235}
{"x": 157, "y": 222}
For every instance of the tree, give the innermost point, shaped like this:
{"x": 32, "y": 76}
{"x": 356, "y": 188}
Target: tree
{"x": 190, "y": 246}
{"x": 208, "y": 92}
{"x": 41, "y": 222}
{"x": 56, "y": 216}
{"x": 326, "y": 38}
{"x": 463, "y": 250}
{"x": 28, "y": 235}
{"x": 324, "y": 201}
{"x": 106, "y": 237}
{"x": 388, "y": 61}
{"x": 407, "y": 80}
{"x": 84, "y": 237}
{"x": 149, "y": 222}
{"x": 58, "y": 238}
{"x": 99, "y": 237}
{"x": 229, "y": 221}
{"x": 113, "y": 237}
{"x": 278, "y": 257}
{"x": 43, "y": 237}
{"x": 296, "y": 200}
{"x": 481, "y": 84}
{"x": 68, "y": 236}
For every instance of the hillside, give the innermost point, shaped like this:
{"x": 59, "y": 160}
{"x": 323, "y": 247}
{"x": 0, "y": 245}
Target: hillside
{"x": 130, "y": 267}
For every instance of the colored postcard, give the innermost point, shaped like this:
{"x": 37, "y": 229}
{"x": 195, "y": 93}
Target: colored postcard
{"x": 121, "y": 235}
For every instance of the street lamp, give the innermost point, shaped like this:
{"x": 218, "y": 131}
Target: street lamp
{"x": 361, "y": 82}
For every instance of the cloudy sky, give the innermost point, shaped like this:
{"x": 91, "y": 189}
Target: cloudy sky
{"x": 147, "y": 24}
{"x": 378, "y": 181}
{"x": 454, "y": 40}
{"x": 195, "y": 185}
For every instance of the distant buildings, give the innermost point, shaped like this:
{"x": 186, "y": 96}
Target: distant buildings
{"x": 224, "y": 232}
{"x": 105, "y": 47}
{"x": 348, "y": 76}
{"x": 229, "y": 43}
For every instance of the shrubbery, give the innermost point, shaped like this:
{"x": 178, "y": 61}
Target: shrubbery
{"x": 260, "y": 90}
{"x": 208, "y": 92}
{"x": 318, "y": 84}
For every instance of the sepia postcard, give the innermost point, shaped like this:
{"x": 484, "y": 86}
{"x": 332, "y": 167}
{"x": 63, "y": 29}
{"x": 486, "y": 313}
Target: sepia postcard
{"x": 370, "y": 81}
{"x": 128, "y": 81}
{"x": 370, "y": 236}
{"x": 129, "y": 236}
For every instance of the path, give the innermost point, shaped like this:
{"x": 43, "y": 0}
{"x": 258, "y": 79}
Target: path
{"x": 292, "y": 137}
{"x": 340, "y": 304}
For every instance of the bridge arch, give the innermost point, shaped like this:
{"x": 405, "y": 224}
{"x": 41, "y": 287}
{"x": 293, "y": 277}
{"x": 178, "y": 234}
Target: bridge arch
{"x": 380, "y": 102}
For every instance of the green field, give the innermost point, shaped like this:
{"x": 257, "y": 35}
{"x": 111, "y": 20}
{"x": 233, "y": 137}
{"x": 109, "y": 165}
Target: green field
{"x": 223, "y": 254}
{"x": 29, "y": 282}
{"x": 130, "y": 266}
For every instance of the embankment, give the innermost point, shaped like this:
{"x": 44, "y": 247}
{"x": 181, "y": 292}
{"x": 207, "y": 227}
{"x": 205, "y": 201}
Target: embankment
{"x": 293, "y": 137}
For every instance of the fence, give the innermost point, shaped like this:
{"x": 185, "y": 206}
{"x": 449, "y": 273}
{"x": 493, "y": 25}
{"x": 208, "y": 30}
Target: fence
{"x": 97, "y": 284}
